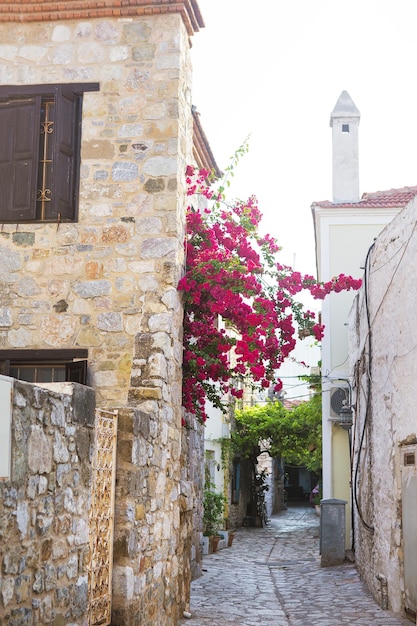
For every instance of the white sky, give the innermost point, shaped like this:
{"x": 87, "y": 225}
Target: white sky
{"x": 275, "y": 69}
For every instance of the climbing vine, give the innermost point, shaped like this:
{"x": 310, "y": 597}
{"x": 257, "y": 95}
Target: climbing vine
{"x": 294, "y": 434}
{"x": 241, "y": 312}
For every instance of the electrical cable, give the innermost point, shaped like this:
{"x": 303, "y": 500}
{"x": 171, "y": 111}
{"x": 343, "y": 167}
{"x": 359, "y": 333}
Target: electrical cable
{"x": 368, "y": 527}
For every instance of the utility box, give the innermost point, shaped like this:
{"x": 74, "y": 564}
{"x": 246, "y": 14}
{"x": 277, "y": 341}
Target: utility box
{"x": 332, "y": 532}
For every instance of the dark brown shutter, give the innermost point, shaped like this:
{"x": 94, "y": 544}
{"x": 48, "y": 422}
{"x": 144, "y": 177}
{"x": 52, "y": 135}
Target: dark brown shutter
{"x": 76, "y": 372}
{"x": 19, "y": 145}
{"x": 65, "y": 159}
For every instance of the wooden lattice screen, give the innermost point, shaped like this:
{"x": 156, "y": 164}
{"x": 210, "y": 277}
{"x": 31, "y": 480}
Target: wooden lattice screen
{"x": 102, "y": 518}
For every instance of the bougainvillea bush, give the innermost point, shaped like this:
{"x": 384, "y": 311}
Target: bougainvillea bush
{"x": 241, "y": 315}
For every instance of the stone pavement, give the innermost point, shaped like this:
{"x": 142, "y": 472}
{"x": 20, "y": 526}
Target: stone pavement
{"x": 272, "y": 577}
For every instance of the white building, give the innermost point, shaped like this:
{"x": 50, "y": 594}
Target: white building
{"x": 383, "y": 358}
{"x": 345, "y": 228}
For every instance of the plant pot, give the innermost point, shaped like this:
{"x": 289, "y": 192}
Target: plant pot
{"x": 318, "y": 509}
{"x": 230, "y": 539}
{"x": 214, "y": 542}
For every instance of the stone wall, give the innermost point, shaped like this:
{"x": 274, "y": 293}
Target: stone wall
{"x": 154, "y": 522}
{"x": 382, "y": 357}
{"x": 44, "y": 507}
{"x": 107, "y": 283}
{"x": 100, "y": 282}
{"x": 191, "y": 490}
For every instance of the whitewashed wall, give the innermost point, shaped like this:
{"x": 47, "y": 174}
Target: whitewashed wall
{"x": 383, "y": 360}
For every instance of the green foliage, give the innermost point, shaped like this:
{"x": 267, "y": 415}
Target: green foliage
{"x": 292, "y": 434}
{"x": 214, "y": 504}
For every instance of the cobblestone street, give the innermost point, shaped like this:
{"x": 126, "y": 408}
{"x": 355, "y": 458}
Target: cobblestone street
{"x": 272, "y": 577}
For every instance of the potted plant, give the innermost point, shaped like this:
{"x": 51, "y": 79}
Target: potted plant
{"x": 229, "y": 532}
{"x": 213, "y": 510}
{"x": 316, "y": 497}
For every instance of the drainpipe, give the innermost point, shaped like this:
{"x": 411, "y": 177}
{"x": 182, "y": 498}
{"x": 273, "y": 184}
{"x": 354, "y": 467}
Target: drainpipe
{"x": 384, "y": 591}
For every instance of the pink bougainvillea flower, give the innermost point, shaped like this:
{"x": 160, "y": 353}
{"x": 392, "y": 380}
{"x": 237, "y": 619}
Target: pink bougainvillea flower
{"x": 240, "y": 312}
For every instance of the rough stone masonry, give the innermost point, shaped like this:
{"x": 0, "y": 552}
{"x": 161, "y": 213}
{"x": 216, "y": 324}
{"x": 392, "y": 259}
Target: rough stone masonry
{"x": 106, "y": 283}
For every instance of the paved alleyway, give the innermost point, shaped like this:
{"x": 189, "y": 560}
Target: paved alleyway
{"x": 272, "y": 577}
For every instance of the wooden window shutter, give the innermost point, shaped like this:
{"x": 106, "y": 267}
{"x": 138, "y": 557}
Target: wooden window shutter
{"x": 65, "y": 160}
{"x": 19, "y": 130}
{"x": 76, "y": 372}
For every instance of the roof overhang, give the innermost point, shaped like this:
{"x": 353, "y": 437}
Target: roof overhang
{"x": 47, "y": 11}
{"x": 202, "y": 152}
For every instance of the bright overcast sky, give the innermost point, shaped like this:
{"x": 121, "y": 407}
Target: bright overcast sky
{"x": 274, "y": 69}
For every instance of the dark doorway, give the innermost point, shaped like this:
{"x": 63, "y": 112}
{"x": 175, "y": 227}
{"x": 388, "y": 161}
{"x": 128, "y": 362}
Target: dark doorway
{"x": 299, "y": 482}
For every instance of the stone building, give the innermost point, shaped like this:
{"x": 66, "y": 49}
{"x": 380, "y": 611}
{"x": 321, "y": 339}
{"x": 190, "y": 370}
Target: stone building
{"x": 382, "y": 352}
{"x": 95, "y": 103}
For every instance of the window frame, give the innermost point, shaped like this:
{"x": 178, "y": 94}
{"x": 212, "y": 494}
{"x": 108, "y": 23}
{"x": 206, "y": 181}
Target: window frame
{"x": 74, "y": 361}
{"x": 20, "y": 159}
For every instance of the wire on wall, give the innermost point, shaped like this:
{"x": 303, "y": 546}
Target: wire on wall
{"x": 366, "y": 525}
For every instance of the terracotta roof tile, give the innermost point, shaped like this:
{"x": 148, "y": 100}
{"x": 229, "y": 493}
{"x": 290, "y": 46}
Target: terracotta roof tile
{"x": 52, "y": 10}
{"x": 291, "y": 404}
{"x": 376, "y": 200}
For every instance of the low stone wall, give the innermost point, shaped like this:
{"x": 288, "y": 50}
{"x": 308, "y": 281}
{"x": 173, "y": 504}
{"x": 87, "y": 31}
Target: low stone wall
{"x": 44, "y": 506}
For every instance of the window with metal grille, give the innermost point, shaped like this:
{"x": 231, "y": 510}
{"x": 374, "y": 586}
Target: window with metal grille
{"x": 40, "y": 126}
{"x": 409, "y": 458}
{"x": 45, "y": 366}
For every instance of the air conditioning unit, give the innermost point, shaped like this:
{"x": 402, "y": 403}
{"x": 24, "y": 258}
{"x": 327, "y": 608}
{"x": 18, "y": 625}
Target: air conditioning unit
{"x": 339, "y": 397}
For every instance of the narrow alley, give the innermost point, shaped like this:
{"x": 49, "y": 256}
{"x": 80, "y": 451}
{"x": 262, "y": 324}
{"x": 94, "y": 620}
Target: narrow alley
{"x": 272, "y": 577}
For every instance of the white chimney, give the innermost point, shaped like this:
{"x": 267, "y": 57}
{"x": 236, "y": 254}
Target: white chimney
{"x": 344, "y": 121}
